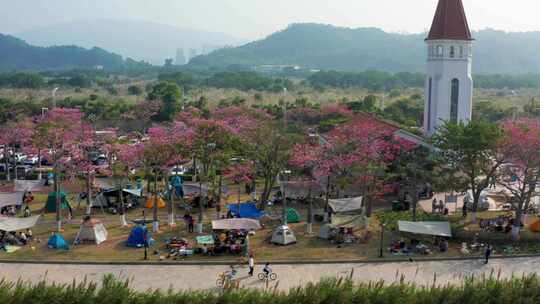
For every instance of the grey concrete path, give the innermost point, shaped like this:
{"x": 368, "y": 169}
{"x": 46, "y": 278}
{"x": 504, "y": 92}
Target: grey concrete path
{"x": 204, "y": 277}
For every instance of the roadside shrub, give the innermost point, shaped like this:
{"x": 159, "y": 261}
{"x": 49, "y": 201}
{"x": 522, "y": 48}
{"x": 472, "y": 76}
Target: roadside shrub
{"x": 485, "y": 289}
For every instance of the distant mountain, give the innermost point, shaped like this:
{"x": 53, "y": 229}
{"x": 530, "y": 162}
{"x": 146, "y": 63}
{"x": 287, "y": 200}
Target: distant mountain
{"x": 16, "y": 54}
{"x": 319, "y": 46}
{"x": 139, "y": 40}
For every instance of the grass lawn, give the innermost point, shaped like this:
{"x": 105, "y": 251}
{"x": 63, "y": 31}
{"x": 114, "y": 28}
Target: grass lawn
{"x": 307, "y": 248}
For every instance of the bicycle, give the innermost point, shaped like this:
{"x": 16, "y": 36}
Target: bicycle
{"x": 272, "y": 276}
{"x": 226, "y": 280}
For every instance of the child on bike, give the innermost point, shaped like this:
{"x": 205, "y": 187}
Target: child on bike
{"x": 267, "y": 270}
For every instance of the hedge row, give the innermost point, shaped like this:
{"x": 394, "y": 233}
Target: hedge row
{"x": 112, "y": 291}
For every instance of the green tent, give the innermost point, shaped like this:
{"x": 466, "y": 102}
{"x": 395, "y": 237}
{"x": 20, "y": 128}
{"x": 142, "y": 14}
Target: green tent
{"x": 50, "y": 206}
{"x": 293, "y": 216}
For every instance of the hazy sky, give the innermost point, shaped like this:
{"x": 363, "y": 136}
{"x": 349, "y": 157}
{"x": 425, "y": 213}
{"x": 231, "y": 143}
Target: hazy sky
{"x": 250, "y": 19}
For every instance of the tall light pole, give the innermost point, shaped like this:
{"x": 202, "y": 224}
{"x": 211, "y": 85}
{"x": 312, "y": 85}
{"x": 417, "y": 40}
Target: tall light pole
{"x": 283, "y": 174}
{"x": 54, "y": 97}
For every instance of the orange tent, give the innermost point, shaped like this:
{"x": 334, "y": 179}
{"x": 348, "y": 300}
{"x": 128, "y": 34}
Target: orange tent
{"x": 535, "y": 227}
{"x": 150, "y": 202}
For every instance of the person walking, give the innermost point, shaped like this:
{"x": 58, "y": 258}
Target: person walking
{"x": 251, "y": 264}
{"x": 487, "y": 253}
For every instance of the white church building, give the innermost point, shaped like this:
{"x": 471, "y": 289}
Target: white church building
{"x": 449, "y": 84}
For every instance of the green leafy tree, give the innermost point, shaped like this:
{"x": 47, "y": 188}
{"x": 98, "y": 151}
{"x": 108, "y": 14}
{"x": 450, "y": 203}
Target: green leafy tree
{"x": 135, "y": 90}
{"x": 472, "y": 151}
{"x": 170, "y": 96}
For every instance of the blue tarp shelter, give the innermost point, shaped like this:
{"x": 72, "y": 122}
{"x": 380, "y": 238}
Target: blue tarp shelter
{"x": 57, "y": 241}
{"x": 245, "y": 210}
{"x": 138, "y": 237}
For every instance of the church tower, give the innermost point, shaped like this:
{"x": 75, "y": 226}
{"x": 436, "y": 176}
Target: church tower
{"x": 449, "y": 85}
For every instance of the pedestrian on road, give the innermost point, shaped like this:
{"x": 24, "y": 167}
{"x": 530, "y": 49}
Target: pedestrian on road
{"x": 487, "y": 253}
{"x": 251, "y": 263}
{"x": 464, "y": 210}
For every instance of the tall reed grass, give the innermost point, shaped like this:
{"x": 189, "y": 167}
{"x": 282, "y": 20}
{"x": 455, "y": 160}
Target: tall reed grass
{"x": 486, "y": 289}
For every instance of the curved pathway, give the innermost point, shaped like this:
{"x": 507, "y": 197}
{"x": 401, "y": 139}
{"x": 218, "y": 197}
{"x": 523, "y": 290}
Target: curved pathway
{"x": 203, "y": 277}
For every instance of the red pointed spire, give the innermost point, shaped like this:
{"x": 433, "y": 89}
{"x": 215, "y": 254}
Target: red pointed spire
{"x": 450, "y": 22}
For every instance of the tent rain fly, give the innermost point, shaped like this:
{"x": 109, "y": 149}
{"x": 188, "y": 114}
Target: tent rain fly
{"x": 15, "y": 224}
{"x": 426, "y": 228}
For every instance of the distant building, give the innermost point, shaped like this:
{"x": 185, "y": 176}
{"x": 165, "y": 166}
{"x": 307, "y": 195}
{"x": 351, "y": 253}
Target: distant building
{"x": 449, "y": 85}
{"x": 192, "y": 53}
{"x": 180, "y": 57}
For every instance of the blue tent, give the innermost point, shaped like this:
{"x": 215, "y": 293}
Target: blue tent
{"x": 138, "y": 237}
{"x": 176, "y": 183}
{"x": 57, "y": 241}
{"x": 245, "y": 210}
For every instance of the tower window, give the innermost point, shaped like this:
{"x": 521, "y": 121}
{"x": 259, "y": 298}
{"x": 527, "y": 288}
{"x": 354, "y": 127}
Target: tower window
{"x": 461, "y": 52}
{"x": 454, "y": 101}
{"x": 452, "y": 52}
{"x": 440, "y": 51}
{"x": 429, "y": 105}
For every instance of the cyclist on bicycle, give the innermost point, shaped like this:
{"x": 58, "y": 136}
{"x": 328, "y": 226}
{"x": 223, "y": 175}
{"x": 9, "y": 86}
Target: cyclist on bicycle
{"x": 267, "y": 270}
{"x": 232, "y": 273}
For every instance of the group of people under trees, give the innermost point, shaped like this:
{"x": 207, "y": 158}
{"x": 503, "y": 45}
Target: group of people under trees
{"x": 15, "y": 239}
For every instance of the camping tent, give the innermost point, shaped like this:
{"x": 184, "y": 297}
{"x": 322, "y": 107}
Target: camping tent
{"x": 342, "y": 221}
{"x": 346, "y": 205}
{"x": 21, "y": 185}
{"x": 10, "y": 224}
{"x": 283, "y": 235}
{"x": 57, "y": 241}
{"x": 151, "y": 200}
{"x": 50, "y": 206}
{"x": 11, "y": 199}
{"x": 245, "y": 210}
{"x": 427, "y": 228}
{"x": 236, "y": 224}
{"x": 293, "y": 216}
{"x": 137, "y": 237}
{"x": 91, "y": 231}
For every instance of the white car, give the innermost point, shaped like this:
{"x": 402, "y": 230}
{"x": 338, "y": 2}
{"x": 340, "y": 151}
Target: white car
{"x": 31, "y": 160}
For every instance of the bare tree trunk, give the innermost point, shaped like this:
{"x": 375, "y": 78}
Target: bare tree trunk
{"x": 122, "y": 210}
{"x": 6, "y": 160}
{"x": 88, "y": 194}
{"x": 220, "y": 184}
{"x": 170, "y": 203}
{"x": 155, "y": 225}
{"x": 310, "y": 214}
{"x": 414, "y": 198}
{"x": 58, "y": 199}
{"x": 201, "y": 210}
{"x": 326, "y": 217}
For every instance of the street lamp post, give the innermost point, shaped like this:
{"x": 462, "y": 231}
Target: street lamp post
{"x": 145, "y": 235}
{"x": 382, "y": 241}
{"x": 283, "y": 174}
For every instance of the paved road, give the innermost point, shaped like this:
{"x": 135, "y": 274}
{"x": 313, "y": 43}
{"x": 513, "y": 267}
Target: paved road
{"x": 203, "y": 277}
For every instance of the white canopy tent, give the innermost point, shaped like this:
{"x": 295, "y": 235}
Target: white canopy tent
{"x": 236, "y": 224}
{"x": 10, "y": 224}
{"x": 426, "y": 228}
{"x": 346, "y": 205}
{"x": 21, "y": 185}
{"x": 11, "y": 199}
